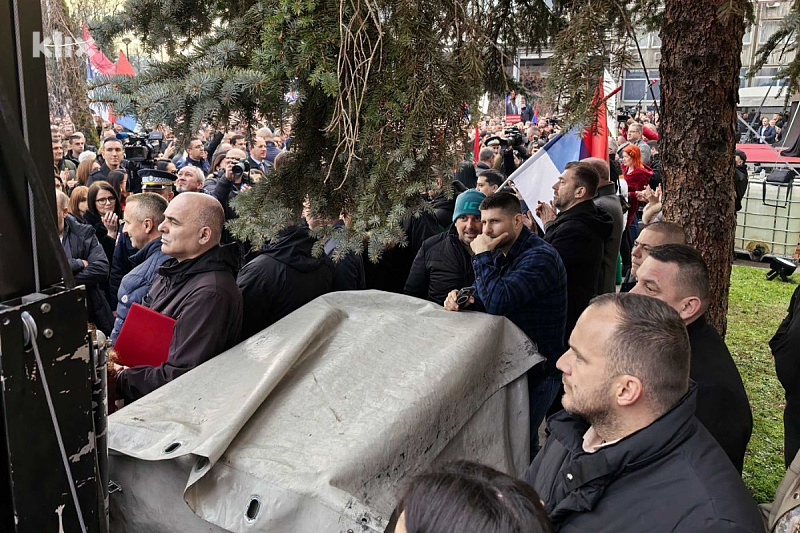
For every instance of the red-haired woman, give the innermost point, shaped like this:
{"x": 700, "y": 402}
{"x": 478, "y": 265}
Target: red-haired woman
{"x": 637, "y": 176}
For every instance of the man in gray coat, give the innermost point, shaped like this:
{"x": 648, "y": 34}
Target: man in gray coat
{"x": 607, "y": 199}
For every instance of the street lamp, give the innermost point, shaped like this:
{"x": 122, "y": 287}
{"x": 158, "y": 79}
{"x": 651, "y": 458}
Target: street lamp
{"x": 127, "y": 41}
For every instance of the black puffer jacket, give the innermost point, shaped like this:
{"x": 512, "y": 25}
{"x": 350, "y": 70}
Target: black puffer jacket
{"x": 670, "y": 477}
{"x": 442, "y": 265}
{"x": 282, "y": 278}
{"x": 578, "y": 235}
{"x": 81, "y": 244}
{"x": 201, "y": 295}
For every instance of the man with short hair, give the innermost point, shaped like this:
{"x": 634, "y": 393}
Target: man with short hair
{"x": 677, "y": 275}
{"x": 190, "y": 179}
{"x": 258, "y": 154}
{"x": 113, "y": 154}
{"x": 195, "y": 155}
{"x": 143, "y": 214}
{"x": 489, "y": 181}
{"x": 77, "y": 143}
{"x": 652, "y": 235}
{"x": 626, "y": 453}
{"x": 520, "y": 276}
{"x": 239, "y": 141}
{"x": 444, "y": 262}
{"x": 87, "y": 260}
{"x": 635, "y": 137}
{"x": 62, "y": 164}
{"x": 485, "y": 159}
{"x": 578, "y": 233}
{"x": 607, "y": 199}
{"x": 196, "y": 287}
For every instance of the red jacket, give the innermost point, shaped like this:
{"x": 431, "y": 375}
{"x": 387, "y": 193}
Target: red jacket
{"x": 637, "y": 181}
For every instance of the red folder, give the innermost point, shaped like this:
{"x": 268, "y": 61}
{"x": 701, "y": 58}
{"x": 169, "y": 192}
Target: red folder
{"x": 145, "y": 337}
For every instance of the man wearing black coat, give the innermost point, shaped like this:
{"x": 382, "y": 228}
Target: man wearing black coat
{"x": 283, "y": 277}
{"x": 578, "y": 233}
{"x": 444, "y": 262}
{"x": 627, "y": 454}
{"x": 785, "y": 346}
{"x": 677, "y": 275}
{"x": 88, "y": 262}
{"x": 196, "y": 287}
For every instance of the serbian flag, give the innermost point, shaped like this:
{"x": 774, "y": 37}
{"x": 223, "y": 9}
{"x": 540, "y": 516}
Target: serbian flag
{"x": 101, "y": 64}
{"x": 534, "y": 178}
{"x": 536, "y": 114}
{"x": 124, "y": 68}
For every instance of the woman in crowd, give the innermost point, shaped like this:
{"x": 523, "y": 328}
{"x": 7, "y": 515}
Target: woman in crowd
{"x": 103, "y": 213}
{"x": 218, "y": 158}
{"x": 465, "y": 496}
{"x": 118, "y": 179}
{"x": 78, "y": 203}
{"x": 637, "y": 177}
{"x": 85, "y": 168}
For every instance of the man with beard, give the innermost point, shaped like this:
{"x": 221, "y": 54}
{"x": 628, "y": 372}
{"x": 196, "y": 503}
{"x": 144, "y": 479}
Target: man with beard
{"x": 578, "y": 233}
{"x": 627, "y": 454}
{"x": 443, "y": 263}
{"x": 520, "y": 276}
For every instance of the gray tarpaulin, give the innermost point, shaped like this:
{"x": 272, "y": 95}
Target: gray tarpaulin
{"x": 314, "y": 423}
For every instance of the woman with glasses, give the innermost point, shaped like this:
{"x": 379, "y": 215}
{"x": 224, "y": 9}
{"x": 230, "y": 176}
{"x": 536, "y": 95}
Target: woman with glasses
{"x": 103, "y": 213}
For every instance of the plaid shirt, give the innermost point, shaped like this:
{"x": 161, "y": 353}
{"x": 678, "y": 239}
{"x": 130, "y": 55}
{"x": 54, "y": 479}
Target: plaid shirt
{"x": 529, "y": 287}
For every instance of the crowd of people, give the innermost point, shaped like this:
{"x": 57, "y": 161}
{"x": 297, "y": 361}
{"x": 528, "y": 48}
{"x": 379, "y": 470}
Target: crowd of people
{"x": 648, "y": 416}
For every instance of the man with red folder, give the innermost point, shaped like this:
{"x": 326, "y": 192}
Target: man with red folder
{"x": 196, "y": 287}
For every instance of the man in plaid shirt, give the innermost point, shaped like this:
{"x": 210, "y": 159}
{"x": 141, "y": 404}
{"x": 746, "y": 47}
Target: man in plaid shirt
{"x": 520, "y": 276}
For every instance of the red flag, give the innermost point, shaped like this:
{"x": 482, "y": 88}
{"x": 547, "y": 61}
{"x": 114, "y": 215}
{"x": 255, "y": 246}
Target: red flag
{"x": 596, "y": 136}
{"x": 99, "y": 61}
{"x": 124, "y": 66}
{"x": 476, "y": 145}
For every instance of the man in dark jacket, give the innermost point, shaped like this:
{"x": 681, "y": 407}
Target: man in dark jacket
{"x": 627, "y": 454}
{"x": 88, "y": 262}
{"x": 677, "y": 275}
{"x": 578, "y": 233}
{"x": 740, "y": 177}
{"x": 143, "y": 214}
{"x": 196, "y": 287}
{"x": 520, "y": 276}
{"x": 785, "y": 346}
{"x": 113, "y": 156}
{"x": 283, "y": 277}
{"x": 348, "y": 268}
{"x": 444, "y": 262}
{"x": 607, "y": 199}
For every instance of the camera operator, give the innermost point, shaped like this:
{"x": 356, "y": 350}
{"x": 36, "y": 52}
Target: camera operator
{"x": 232, "y": 178}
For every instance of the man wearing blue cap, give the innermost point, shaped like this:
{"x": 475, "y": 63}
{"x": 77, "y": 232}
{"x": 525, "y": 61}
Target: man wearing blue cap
{"x": 444, "y": 262}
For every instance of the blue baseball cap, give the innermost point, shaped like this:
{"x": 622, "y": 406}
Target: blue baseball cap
{"x": 468, "y": 203}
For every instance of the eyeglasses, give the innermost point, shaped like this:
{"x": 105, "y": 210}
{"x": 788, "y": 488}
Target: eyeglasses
{"x": 106, "y": 200}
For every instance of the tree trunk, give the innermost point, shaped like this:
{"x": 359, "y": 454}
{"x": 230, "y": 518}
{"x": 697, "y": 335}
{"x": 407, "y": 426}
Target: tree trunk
{"x": 700, "y": 64}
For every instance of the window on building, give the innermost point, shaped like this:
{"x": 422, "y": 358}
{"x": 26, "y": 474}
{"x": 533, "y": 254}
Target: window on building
{"x": 634, "y": 86}
{"x": 655, "y": 40}
{"x": 768, "y": 29}
{"x": 764, "y": 78}
{"x": 743, "y": 77}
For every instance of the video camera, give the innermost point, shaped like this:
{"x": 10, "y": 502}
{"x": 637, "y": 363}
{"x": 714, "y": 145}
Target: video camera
{"x": 141, "y": 149}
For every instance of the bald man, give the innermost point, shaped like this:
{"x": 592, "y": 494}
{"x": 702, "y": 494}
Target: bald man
{"x": 196, "y": 287}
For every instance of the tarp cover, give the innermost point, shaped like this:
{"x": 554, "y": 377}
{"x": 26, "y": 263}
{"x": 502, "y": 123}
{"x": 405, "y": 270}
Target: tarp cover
{"x": 313, "y": 424}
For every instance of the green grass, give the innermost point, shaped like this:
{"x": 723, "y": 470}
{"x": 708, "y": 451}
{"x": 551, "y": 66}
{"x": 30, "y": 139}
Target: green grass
{"x": 756, "y": 308}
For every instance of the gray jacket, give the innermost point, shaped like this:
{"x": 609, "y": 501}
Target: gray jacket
{"x": 607, "y": 200}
